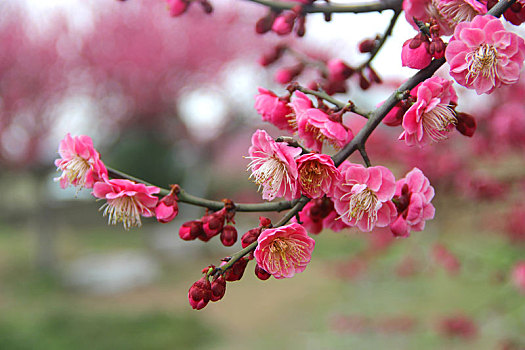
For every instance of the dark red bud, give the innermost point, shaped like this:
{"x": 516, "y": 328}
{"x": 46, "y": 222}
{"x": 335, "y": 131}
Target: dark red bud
{"x": 228, "y": 235}
{"x": 264, "y": 222}
{"x": 466, "y": 124}
{"x": 200, "y": 293}
{"x": 414, "y": 43}
{"x": 235, "y": 272}
{"x": 364, "y": 83}
{"x": 218, "y": 289}
{"x": 250, "y": 236}
{"x": 264, "y": 24}
{"x": 367, "y": 45}
{"x": 206, "y": 6}
{"x": 300, "y": 28}
{"x": 261, "y": 273}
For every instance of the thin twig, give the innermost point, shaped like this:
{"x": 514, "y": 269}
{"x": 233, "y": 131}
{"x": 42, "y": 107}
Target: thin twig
{"x": 376, "y": 6}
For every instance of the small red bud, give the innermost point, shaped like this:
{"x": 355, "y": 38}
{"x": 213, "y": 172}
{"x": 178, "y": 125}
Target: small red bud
{"x": 264, "y": 222}
{"x": 261, "y": 273}
{"x": 228, "y": 235}
{"x": 250, "y": 236}
{"x": 264, "y": 24}
{"x": 367, "y": 45}
{"x": 218, "y": 289}
{"x": 191, "y": 230}
{"x": 206, "y": 6}
{"x": 235, "y": 272}
{"x": 200, "y": 293}
{"x": 364, "y": 83}
{"x": 466, "y": 124}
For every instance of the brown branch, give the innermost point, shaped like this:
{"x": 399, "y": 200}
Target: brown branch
{"x": 376, "y": 6}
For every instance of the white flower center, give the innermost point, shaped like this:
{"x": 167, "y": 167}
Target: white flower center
{"x": 457, "y": 11}
{"x": 361, "y": 203}
{"x": 436, "y": 122}
{"x": 483, "y": 61}
{"x": 76, "y": 169}
{"x": 123, "y": 209}
{"x": 285, "y": 253}
{"x": 270, "y": 174}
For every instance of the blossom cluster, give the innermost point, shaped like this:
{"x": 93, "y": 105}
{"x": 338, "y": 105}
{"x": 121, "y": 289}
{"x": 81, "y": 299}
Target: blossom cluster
{"x": 126, "y": 201}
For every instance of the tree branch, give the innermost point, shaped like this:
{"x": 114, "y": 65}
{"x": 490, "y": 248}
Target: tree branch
{"x": 355, "y": 8}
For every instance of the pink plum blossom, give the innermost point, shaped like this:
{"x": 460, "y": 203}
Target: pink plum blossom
{"x": 431, "y": 117}
{"x": 457, "y": 11}
{"x": 425, "y": 11}
{"x": 363, "y": 197}
{"x": 316, "y": 127}
{"x": 273, "y": 166}
{"x": 412, "y": 199}
{"x": 317, "y": 175}
{"x": 127, "y": 201}
{"x": 80, "y": 162}
{"x": 484, "y": 56}
{"x": 518, "y": 276}
{"x": 274, "y": 109}
{"x": 167, "y": 208}
{"x": 284, "y": 251}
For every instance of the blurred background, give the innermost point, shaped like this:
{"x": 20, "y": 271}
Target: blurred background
{"x": 170, "y": 100}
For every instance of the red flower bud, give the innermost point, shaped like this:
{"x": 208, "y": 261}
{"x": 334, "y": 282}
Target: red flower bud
{"x": 466, "y": 124}
{"x": 228, "y": 235}
{"x": 200, "y": 293}
{"x": 191, "y": 230}
{"x": 167, "y": 208}
{"x": 264, "y": 24}
{"x": 218, "y": 289}
{"x": 235, "y": 272}
{"x": 264, "y": 222}
{"x": 367, "y": 45}
{"x": 250, "y": 236}
{"x": 261, "y": 273}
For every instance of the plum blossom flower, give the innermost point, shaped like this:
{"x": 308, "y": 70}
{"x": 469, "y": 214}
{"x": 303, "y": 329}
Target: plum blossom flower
{"x": 316, "y": 127}
{"x": 274, "y": 109}
{"x": 284, "y": 251}
{"x": 415, "y": 55}
{"x": 363, "y": 197}
{"x": 127, "y": 201}
{"x": 432, "y": 116}
{"x": 457, "y": 11}
{"x": 317, "y": 174}
{"x": 412, "y": 199}
{"x": 273, "y": 166}
{"x": 426, "y": 11}
{"x": 80, "y": 162}
{"x": 484, "y": 56}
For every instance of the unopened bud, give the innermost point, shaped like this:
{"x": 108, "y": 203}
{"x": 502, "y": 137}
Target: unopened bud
{"x": 218, "y": 289}
{"x": 250, "y": 237}
{"x": 367, "y": 45}
{"x": 235, "y": 272}
{"x": 364, "y": 83}
{"x": 283, "y": 24}
{"x": 200, "y": 293}
{"x": 206, "y": 6}
{"x": 228, "y": 235}
{"x": 264, "y": 24}
{"x": 261, "y": 273}
{"x": 191, "y": 230}
{"x": 466, "y": 124}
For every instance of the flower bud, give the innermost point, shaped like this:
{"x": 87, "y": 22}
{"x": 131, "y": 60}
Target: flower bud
{"x": 367, "y": 45}
{"x": 264, "y": 24}
{"x": 286, "y": 75}
{"x": 261, "y": 273}
{"x": 191, "y": 230}
{"x": 283, "y": 24}
{"x": 417, "y": 58}
{"x": 206, "y": 6}
{"x": 235, "y": 272}
{"x": 200, "y": 293}
{"x": 167, "y": 208}
{"x": 364, "y": 83}
{"x": 250, "y": 236}
{"x": 466, "y": 124}
{"x": 264, "y": 222}
{"x": 228, "y": 235}
{"x": 338, "y": 70}
{"x": 218, "y": 289}
{"x": 212, "y": 224}
{"x": 177, "y": 7}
